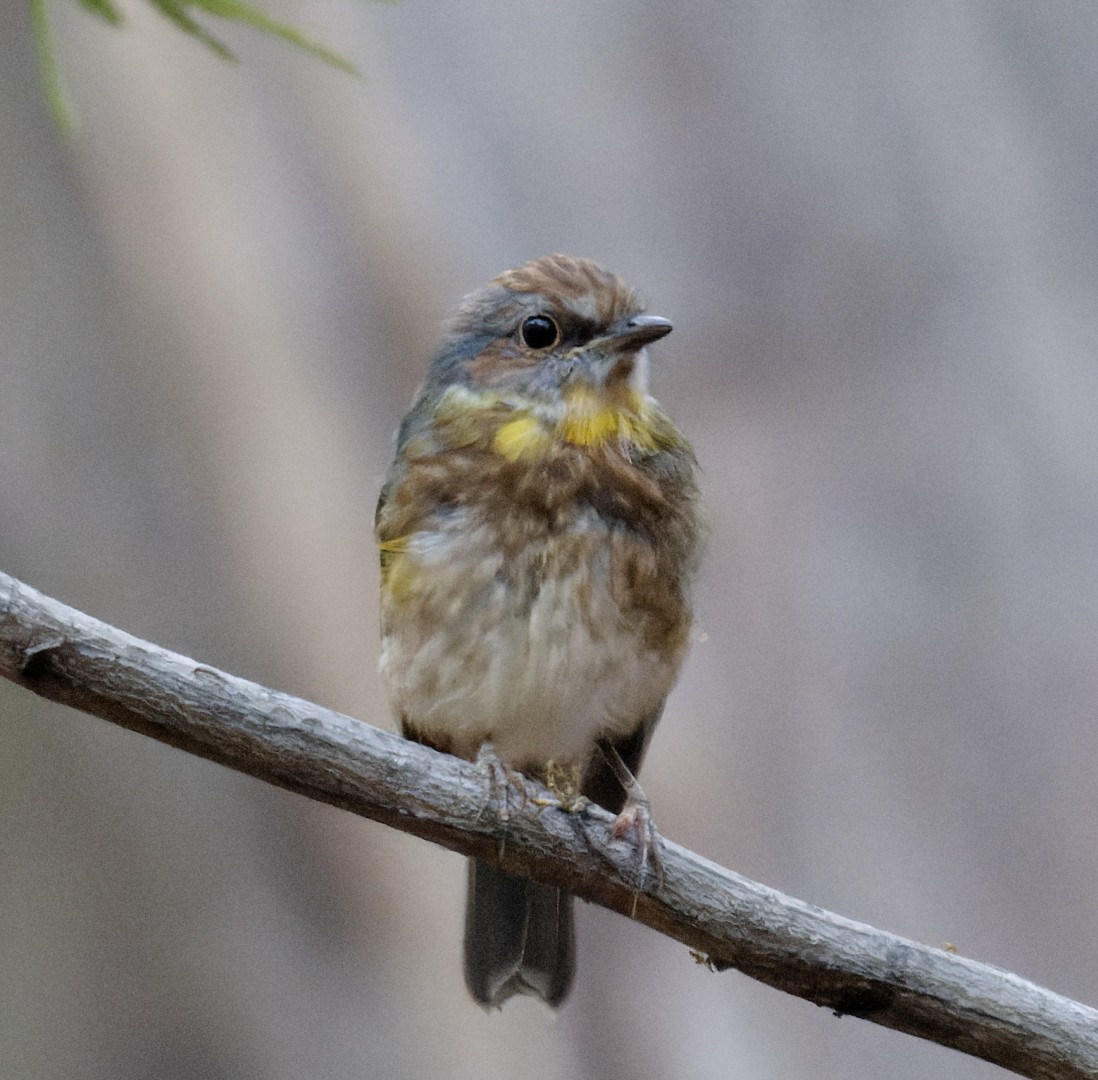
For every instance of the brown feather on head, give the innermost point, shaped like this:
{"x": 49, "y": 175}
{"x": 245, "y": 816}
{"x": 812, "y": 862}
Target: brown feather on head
{"x": 575, "y": 290}
{"x": 579, "y": 285}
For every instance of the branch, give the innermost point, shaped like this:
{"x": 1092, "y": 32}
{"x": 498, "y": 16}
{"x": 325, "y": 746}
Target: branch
{"x": 851, "y": 968}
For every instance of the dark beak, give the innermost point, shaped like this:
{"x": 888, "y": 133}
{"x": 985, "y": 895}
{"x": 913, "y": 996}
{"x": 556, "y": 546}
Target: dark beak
{"x": 632, "y": 334}
{"x": 612, "y": 358}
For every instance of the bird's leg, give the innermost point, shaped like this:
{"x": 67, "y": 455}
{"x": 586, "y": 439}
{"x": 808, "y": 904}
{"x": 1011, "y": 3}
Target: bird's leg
{"x": 635, "y": 816}
{"x": 502, "y": 780}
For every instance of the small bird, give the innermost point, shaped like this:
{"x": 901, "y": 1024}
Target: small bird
{"x": 538, "y": 532}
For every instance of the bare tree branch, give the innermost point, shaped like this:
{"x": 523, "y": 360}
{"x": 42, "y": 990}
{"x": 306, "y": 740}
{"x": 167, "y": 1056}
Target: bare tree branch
{"x": 851, "y": 968}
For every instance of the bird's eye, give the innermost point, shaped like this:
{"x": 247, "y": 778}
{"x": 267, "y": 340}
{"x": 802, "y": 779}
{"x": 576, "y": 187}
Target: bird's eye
{"x": 539, "y": 332}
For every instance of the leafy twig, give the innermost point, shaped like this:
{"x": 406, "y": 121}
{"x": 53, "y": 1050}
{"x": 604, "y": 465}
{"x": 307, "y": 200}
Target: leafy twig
{"x": 180, "y": 13}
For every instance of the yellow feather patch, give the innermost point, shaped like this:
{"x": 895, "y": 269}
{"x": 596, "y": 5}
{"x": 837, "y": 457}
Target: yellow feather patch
{"x": 391, "y": 550}
{"x": 590, "y": 420}
{"x": 583, "y": 427}
{"x": 524, "y": 437}
{"x": 402, "y": 578}
{"x": 394, "y": 576}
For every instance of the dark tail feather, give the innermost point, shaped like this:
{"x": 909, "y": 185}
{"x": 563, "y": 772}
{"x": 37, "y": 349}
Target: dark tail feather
{"x": 519, "y": 938}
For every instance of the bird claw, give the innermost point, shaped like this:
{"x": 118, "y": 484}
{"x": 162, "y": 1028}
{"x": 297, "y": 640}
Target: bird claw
{"x": 502, "y": 781}
{"x": 635, "y": 820}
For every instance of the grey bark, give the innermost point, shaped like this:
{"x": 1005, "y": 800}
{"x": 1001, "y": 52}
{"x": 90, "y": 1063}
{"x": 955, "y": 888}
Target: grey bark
{"x": 729, "y": 921}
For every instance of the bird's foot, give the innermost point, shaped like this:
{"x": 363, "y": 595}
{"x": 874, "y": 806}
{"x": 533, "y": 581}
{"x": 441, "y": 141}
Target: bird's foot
{"x": 635, "y": 820}
{"x": 504, "y": 783}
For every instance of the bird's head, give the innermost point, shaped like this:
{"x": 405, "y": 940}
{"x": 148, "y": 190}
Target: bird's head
{"x": 560, "y": 342}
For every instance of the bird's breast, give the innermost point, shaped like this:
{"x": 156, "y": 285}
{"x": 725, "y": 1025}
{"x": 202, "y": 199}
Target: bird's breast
{"x": 524, "y": 610}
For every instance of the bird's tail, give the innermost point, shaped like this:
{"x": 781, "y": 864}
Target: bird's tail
{"x": 519, "y": 938}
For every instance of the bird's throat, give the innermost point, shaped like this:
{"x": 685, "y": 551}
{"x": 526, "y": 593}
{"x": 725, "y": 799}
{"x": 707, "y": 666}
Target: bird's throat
{"x": 585, "y": 418}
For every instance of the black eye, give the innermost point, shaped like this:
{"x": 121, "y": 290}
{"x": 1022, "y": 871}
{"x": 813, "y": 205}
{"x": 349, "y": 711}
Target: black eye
{"x": 539, "y": 332}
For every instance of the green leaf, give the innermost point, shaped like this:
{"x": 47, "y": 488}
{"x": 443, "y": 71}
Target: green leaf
{"x": 105, "y": 9}
{"x": 47, "y": 66}
{"x": 176, "y": 10}
{"x": 241, "y": 12}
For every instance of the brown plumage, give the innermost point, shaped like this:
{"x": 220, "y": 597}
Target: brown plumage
{"x": 538, "y": 533}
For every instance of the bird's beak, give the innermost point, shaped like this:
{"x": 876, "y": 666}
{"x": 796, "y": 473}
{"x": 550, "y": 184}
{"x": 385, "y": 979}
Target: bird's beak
{"x": 613, "y": 358}
{"x": 632, "y": 334}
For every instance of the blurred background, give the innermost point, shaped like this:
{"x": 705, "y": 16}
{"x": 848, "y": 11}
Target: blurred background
{"x": 875, "y": 229}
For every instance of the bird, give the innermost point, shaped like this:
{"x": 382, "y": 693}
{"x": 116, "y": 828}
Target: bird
{"x": 539, "y": 534}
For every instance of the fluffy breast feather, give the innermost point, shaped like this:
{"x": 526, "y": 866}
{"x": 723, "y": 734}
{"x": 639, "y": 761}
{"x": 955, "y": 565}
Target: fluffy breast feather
{"x": 537, "y": 604}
